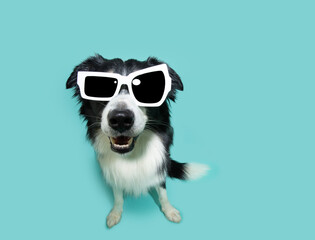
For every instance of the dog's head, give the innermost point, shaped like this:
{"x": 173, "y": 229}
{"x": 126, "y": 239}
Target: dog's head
{"x": 121, "y": 118}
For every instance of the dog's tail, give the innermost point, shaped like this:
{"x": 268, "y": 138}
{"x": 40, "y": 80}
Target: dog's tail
{"x": 187, "y": 171}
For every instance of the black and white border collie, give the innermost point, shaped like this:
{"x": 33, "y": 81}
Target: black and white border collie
{"x": 136, "y": 159}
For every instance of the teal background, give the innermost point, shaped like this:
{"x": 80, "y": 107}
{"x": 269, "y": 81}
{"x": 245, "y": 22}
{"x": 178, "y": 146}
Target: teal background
{"x": 247, "y": 111}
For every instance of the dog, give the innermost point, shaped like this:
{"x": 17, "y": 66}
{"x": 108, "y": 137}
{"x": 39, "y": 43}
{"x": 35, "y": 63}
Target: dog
{"x": 126, "y": 108}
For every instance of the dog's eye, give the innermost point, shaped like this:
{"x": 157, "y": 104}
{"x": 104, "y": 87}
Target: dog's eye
{"x": 136, "y": 82}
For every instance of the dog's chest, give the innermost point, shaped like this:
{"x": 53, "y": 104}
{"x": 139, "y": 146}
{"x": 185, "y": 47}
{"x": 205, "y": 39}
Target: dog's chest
{"x": 136, "y": 171}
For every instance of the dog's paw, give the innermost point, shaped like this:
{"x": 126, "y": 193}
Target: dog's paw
{"x": 172, "y": 214}
{"x": 113, "y": 218}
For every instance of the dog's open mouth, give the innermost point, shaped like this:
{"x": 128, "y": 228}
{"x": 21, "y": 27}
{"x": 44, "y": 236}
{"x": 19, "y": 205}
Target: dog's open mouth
{"x": 122, "y": 144}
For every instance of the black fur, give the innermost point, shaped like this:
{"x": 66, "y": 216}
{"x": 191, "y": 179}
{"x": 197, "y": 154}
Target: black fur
{"x": 177, "y": 170}
{"x": 159, "y": 117}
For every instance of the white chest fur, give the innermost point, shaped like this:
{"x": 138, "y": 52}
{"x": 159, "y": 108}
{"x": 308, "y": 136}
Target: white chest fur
{"x": 134, "y": 172}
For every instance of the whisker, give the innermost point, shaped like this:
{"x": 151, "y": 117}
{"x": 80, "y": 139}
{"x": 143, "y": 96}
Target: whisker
{"x": 92, "y": 116}
{"x": 101, "y": 103}
{"x": 154, "y": 122}
{"x": 94, "y": 124}
{"x": 150, "y": 128}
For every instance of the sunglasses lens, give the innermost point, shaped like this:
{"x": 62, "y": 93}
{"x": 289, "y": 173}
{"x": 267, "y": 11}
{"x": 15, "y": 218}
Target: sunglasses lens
{"x": 149, "y": 87}
{"x": 100, "y": 86}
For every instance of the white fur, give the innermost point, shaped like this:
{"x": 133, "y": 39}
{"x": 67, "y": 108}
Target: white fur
{"x": 137, "y": 171}
{"x": 134, "y": 172}
{"x": 115, "y": 214}
{"x": 196, "y": 170}
{"x": 169, "y": 211}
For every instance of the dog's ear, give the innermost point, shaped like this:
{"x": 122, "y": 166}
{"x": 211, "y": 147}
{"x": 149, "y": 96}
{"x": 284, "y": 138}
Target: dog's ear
{"x": 90, "y": 64}
{"x": 176, "y": 80}
{"x": 72, "y": 80}
{"x": 176, "y": 84}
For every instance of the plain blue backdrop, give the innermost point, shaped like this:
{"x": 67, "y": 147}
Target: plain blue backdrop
{"x": 247, "y": 111}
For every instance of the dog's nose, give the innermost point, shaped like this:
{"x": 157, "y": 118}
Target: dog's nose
{"x": 121, "y": 120}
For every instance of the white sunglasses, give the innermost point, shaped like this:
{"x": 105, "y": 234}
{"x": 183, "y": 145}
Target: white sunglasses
{"x": 149, "y": 87}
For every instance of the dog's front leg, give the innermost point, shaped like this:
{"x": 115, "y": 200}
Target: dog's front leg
{"x": 169, "y": 211}
{"x": 115, "y": 214}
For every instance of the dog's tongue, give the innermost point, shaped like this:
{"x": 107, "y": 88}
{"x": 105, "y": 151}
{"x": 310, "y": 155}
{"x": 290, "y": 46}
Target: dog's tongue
{"x": 121, "y": 140}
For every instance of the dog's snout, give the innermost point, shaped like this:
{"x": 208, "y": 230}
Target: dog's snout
{"x": 121, "y": 120}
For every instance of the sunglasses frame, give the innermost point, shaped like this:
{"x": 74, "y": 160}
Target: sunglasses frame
{"x": 127, "y": 80}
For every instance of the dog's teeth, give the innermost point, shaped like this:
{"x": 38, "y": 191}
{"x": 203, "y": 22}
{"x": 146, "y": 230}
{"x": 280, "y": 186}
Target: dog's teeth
{"x": 120, "y": 146}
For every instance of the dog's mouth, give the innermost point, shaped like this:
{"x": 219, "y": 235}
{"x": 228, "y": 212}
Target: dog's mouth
{"x": 122, "y": 144}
